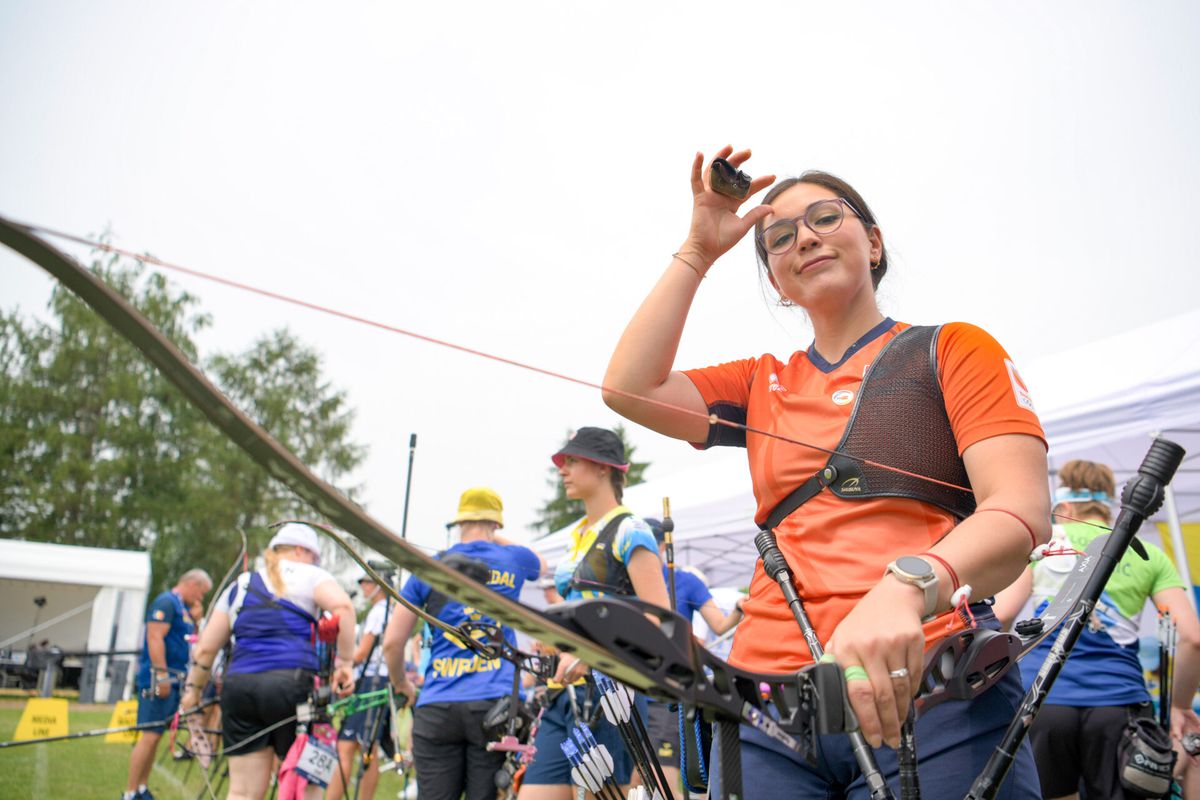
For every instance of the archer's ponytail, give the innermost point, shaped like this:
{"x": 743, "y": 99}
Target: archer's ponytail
{"x": 274, "y": 576}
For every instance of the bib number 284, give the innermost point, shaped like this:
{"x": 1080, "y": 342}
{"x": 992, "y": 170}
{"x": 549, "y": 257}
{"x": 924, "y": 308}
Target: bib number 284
{"x": 317, "y": 762}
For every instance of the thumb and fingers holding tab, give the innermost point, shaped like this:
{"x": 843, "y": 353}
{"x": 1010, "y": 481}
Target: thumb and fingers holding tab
{"x": 718, "y": 193}
{"x": 724, "y": 175}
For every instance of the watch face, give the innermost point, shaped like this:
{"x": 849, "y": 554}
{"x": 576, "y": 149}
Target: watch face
{"x": 917, "y": 567}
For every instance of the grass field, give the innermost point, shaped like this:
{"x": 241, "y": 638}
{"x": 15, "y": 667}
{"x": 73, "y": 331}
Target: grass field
{"x": 89, "y": 769}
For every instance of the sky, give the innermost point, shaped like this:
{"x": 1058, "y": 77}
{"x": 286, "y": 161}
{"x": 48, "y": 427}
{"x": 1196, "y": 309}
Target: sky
{"x": 514, "y": 177}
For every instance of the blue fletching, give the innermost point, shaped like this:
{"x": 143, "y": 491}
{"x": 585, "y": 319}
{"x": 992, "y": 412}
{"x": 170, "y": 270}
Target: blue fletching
{"x": 571, "y": 752}
{"x": 587, "y": 735}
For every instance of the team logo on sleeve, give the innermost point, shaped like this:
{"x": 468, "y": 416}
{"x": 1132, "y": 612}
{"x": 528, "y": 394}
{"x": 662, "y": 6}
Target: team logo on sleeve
{"x": 773, "y": 384}
{"x": 1020, "y": 391}
{"x": 159, "y": 614}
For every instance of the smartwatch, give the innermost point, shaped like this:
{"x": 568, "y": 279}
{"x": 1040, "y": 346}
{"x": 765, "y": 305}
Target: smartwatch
{"x": 918, "y": 572}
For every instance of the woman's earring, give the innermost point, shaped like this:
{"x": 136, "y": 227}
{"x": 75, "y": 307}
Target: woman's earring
{"x": 874, "y": 265}
{"x": 785, "y": 301}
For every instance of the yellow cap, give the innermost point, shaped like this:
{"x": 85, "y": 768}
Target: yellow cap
{"x": 479, "y": 504}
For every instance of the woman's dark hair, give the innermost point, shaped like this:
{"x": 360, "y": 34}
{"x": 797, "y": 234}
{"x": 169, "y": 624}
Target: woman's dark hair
{"x": 843, "y": 190}
{"x": 617, "y": 478}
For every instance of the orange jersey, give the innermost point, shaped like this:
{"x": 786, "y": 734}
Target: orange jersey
{"x": 838, "y": 549}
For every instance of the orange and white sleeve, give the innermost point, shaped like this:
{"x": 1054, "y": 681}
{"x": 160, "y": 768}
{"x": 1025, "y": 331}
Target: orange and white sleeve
{"x": 984, "y": 393}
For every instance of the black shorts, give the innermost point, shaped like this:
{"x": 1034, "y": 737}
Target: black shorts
{"x": 450, "y": 752}
{"x": 252, "y": 702}
{"x": 1077, "y": 746}
{"x": 663, "y": 726}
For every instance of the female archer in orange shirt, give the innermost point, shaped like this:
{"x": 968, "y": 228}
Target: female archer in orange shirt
{"x": 877, "y": 562}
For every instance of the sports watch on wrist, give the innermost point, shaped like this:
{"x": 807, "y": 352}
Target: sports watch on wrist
{"x": 917, "y": 572}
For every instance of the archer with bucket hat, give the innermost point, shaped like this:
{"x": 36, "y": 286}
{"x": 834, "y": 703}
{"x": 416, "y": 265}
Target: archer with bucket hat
{"x": 611, "y": 552}
{"x": 449, "y": 749}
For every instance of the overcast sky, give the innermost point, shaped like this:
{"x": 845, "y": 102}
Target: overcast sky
{"x": 514, "y": 177}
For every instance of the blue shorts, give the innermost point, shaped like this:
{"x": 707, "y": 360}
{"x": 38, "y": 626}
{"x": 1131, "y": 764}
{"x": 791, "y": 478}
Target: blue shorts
{"x": 550, "y": 766}
{"x": 954, "y": 741}
{"x": 156, "y": 709}
{"x": 359, "y": 726}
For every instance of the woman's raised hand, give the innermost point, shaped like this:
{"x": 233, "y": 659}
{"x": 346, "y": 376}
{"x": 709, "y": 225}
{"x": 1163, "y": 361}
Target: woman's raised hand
{"x": 716, "y": 226}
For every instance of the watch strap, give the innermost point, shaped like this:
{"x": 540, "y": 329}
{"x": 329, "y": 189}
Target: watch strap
{"x": 927, "y": 585}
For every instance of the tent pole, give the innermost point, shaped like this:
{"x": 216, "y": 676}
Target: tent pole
{"x": 43, "y": 625}
{"x": 1181, "y": 559}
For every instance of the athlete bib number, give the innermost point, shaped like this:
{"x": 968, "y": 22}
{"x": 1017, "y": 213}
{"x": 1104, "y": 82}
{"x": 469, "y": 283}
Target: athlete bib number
{"x": 317, "y": 762}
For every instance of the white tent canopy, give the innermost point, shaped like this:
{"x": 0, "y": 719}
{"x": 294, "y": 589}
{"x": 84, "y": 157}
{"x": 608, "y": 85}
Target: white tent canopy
{"x": 1101, "y": 401}
{"x": 94, "y": 598}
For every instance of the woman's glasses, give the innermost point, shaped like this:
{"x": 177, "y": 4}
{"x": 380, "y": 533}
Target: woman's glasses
{"x": 822, "y": 217}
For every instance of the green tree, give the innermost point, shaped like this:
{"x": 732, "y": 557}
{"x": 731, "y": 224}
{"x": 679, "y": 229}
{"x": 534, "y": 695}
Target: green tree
{"x": 98, "y": 449}
{"x": 560, "y": 511}
{"x": 277, "y": 382}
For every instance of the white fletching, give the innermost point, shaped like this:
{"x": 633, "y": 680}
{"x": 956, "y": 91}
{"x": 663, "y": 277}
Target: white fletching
{"x": 617, "y": 703}
{"x": 601, "y": 759}
{"x": 581, "y": 777}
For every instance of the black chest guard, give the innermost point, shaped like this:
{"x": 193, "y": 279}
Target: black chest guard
{"x": 899, "y": 419}
{"x": 599, "y": 569}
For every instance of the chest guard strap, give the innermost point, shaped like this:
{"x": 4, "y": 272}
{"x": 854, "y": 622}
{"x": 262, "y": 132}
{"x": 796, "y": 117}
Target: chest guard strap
{"x": 899, "y": 419}
{"x": 599, "y": 569}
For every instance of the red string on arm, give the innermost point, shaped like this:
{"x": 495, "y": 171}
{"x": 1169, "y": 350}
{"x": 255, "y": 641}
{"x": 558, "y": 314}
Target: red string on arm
{"x": 949, "y": 569}
{"x": 1063, "y": 551}
{"x": 1032, "y": 536}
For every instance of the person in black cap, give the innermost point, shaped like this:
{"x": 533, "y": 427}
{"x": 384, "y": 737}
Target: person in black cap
{"x": 611, "y": 552}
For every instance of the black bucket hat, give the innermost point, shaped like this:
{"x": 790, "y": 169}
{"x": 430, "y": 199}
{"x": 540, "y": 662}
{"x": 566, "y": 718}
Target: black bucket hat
{"x": 594, "y": 444}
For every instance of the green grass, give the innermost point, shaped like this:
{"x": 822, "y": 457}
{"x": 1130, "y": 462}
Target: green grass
{"x": 89, "y": 769}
